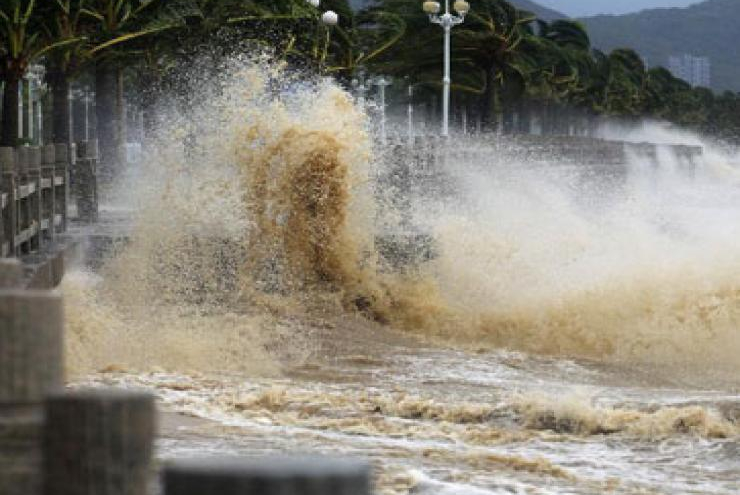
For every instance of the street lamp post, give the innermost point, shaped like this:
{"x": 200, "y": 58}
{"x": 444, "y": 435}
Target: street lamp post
{"x": 328, "y": 19}
{"x": 382, "y": 82}
{"x": 358, "y": 84}
{"x": 447, "y": 21}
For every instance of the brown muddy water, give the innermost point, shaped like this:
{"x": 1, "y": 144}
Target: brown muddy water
{"x": 437, "y": 421}
{"x": 575, "y": 332}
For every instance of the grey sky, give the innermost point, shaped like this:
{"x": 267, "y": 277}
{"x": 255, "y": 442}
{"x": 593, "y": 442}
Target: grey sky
{"x": 578, "y": 8}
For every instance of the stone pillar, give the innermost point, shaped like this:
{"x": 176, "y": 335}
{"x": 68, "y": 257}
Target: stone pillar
{"x": 23, "y": 206}
{"x": 61, "y": 185}
{"x": 47, "y": 192}
{"x": 7, "y": 196}
{"x": 34, "y": 198}
{"x": 98, "y": 442}
{"x": 31, "y": 366}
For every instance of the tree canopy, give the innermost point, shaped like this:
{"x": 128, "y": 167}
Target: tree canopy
{"x": 509, "y": 68}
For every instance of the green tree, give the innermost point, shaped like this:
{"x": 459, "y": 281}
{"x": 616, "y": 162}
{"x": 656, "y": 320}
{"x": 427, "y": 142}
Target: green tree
{"x": 21, "y": 43}
{"x": 361, "y": 40}
{"x": 60, "y": 22}
{"x": 110, "y": 23}
{"x": 556, "y": 60}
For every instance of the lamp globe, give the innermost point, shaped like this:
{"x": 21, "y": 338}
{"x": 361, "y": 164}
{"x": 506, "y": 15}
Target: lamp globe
{"x": 461, "y": 7}
{"x": 431, "y": 7}
{"x": 330, "y": 18}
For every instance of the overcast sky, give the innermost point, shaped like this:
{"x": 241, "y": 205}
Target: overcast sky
{"x": 577, "y": 8}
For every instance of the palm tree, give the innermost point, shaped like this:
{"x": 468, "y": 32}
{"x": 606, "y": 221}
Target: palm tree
{"x": 659, "y": 86}
{"x": 109, "y": 24}
{"x": 627, "y": 83}
{"x": 546, "y": 75}
{"x": 491, "y": 41}
{"x": 21, "y": 44}
{"x": 60, "y": 22}
{"x": 502, "y": 58}
{"x": 20, "y": 47}
{"x": 362, "y": 39}
{"x": 561, "y": 62}
{"x": 291, "y": 30}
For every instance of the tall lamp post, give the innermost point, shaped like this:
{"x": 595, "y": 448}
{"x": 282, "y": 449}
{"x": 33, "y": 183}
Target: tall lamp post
{"x": 358, "y": 84}
{"x": 328, "y": 19}
{"x": 447, "y": 21}
{"x": 381, "y": 82}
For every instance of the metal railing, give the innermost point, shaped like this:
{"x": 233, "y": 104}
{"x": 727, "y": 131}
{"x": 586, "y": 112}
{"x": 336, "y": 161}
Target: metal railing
{"x": 34, "y": 192}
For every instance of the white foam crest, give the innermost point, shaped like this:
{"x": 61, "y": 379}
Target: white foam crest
{"x": 640, "y": 264}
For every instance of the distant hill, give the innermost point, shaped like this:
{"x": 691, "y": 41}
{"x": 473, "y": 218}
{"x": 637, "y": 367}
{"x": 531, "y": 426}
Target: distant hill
{"x": 541, "y": 12}
{"x": 710, "y": 28}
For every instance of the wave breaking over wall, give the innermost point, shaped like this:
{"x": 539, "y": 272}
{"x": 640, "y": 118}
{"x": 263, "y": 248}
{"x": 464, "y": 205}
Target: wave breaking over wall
{"x": 259, "y": 205}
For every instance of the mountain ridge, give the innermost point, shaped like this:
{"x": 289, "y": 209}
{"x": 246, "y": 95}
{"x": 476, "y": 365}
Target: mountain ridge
{"x": 542, "y": 12}
{"x": 710, "y": 28}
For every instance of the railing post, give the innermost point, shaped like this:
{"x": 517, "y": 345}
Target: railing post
{"x": 47, "y": 191}
{"x": 8, "y": 162}
{"x": 4, "y": 247}
{"x": 93, "y": 154}
{"x": 34, "y": 198}
{"x": 61, "y": 184}
{"x": 23, "y": 207}
{"x": 70, "y": 165}
{"x": 30, "y": 368}
{"x": 270, "y": 476}
{"x": 98, "y": 442}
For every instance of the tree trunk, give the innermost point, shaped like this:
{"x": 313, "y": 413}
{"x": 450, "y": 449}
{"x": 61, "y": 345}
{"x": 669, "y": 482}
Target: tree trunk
{"x": 508, "y": 118}
{"x": 525, "y": 118}
{"x": 10, "y": 122}
{"x": 61, "y": 111}
{"x": 489, "y": 103}
{"x": 548, "y": 119}
{"x": 149, "y": 90}
{"x": 563, "y": 120}
{"x": 106, "y": 112}
{"x": 560, "y": 118}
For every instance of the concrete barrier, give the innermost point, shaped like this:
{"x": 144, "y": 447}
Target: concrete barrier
{"x": 268, "y": 476}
